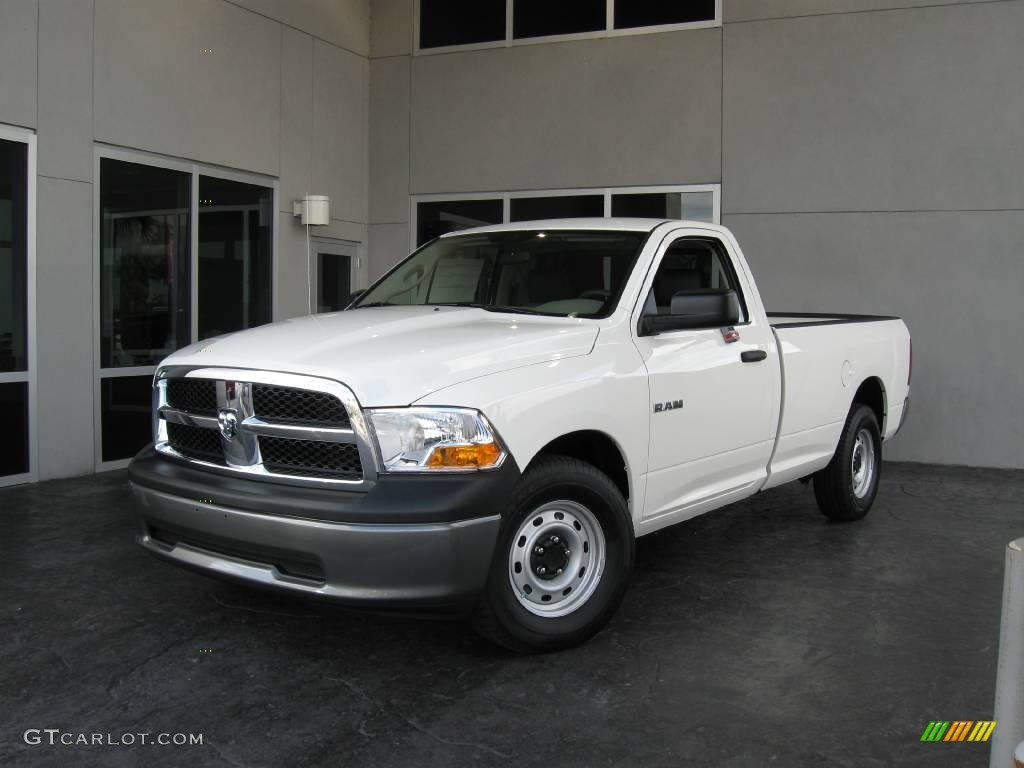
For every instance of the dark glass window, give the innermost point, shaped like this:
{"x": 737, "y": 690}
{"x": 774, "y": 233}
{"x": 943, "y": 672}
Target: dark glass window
{"x": 461, "y": 22}
{"x": 649, "y": 13}
{"x": 537, "y": 18}
{"x": 660, "y": 205}
{"x": 144, "y": 263}
{"x": 235, "y": 263}
{"x": 13, "y": 256}
{"x": 334, "y": 281}
{"x": 563, "y": 207}
{"x": 125, "y": 415}
{"x": 693, "y": 206}
{"x": 438, "y": 218}
{"x": 14, "y": 417}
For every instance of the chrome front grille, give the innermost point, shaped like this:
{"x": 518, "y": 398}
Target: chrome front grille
{"x": 310, "y": 458}
{"x": 273, "y": 426}
{"x": 195, "y": 442}
{"x": 197, "y": 396}
{"x": 297, "y": 406}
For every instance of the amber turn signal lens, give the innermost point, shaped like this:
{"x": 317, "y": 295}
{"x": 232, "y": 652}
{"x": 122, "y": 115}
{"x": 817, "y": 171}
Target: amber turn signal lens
{"x": 467, "y": 456}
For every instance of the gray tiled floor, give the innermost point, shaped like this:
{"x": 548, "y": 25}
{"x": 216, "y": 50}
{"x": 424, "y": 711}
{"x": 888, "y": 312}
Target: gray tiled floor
{"x": 757, "y": 635}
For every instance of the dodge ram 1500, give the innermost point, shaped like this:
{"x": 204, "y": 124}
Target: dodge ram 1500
{"x": 496, "y": 419}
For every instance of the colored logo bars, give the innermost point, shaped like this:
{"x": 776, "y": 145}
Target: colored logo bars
{"x": 958, "y": 730}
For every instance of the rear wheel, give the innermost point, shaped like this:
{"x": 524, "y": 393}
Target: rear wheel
{"x": 563, "y": 559}
{"x": 846, "y": 488}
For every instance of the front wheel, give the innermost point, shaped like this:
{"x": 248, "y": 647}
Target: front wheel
{"x": 562, "y": 561}
{"x": 846, "y": 488}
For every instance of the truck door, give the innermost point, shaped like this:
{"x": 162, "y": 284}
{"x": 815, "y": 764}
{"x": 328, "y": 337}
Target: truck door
{"x": 713, "y": 409}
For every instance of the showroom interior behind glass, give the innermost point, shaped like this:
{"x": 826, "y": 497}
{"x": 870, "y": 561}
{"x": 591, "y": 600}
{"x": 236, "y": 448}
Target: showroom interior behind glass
{"x": 14, "y": 377}
{"x": 147, "y": 274}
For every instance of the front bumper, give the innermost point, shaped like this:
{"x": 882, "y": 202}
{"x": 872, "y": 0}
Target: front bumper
{"x": 412, "y": 541}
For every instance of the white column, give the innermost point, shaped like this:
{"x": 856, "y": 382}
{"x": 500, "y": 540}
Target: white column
{"x": 1009, "y": 710}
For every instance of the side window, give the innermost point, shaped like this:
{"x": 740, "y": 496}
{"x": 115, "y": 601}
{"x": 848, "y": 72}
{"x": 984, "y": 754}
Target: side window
{"x": 689, "y": 265}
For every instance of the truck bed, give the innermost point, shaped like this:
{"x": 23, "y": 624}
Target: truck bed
{"x": 825, "y": 359}
{"x": 798, "y": 319}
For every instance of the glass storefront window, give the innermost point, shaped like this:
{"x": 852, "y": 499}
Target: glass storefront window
{"x": 555, "y": 207}
{"x": 13, "y": 256}
{"x": 144, "y": 263}
{"x": 147, "y": 281}
{"x": 235, "y": 262}
{"x": 434, "y": 219}
{"x": 461, "y": 22}
{"x": 126, "y": 423}
{"x": 693, "y": 206}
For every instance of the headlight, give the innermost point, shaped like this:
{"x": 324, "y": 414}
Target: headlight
{"x": 424, "y": 439}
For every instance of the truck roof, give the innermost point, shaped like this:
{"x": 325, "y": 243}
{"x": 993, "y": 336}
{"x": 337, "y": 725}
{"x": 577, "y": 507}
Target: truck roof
{"x": 593, "y": 223}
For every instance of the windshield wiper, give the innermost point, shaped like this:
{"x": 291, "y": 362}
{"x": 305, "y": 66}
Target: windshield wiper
{"x": 375, "y": 304}
{"x": 489, "y": 307}
{"x": 512, "y": 310}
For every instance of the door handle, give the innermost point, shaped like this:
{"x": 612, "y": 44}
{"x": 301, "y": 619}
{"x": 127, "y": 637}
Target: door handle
{"x": 753, "y": 356}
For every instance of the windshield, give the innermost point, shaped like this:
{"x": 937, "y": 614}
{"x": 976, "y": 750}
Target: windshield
{"x": 560, "y": 272}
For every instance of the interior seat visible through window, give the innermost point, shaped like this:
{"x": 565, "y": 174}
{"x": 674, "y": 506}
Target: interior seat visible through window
{"x": 690, "y": 264}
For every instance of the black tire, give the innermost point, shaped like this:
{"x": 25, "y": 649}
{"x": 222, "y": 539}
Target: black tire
{"x": 500, "y": 616}
{"x": 834, "y": 486}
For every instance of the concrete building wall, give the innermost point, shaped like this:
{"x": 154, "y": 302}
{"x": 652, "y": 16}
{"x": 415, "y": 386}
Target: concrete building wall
{"x": 284, "y": 92}
{"x": 873, "y": 163}
{"x": 869, "y": 153}
{"x": 556, "y": 109}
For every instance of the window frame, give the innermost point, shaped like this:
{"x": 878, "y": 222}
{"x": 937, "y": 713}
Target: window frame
{"x": 726, "y": 263}
{"x": 607, "y": 192}
{"x": 195, "y": 169}
{"x": 415, "y": 200}
{"x": 331, "y": 246}
{"x": 609, "y": 31}
{"x": 29, "y": 376}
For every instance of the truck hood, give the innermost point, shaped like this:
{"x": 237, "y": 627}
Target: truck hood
{"x": 397, "y": 355}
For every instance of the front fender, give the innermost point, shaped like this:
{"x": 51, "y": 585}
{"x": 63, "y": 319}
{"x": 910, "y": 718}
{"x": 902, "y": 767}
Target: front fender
{"x": 605, "y": 391}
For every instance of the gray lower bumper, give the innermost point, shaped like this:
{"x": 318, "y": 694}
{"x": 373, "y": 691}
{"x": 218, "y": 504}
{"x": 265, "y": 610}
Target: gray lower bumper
{"x": 385, "y": 564}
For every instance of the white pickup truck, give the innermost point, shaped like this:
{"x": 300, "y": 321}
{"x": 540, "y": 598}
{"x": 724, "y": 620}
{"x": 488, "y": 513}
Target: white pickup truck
{"x": 495, "y": 421}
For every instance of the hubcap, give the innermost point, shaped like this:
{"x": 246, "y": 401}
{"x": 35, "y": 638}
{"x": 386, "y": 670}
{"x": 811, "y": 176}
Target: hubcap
{"x": 556, "y": 558}
{"x": 863, "y": 464}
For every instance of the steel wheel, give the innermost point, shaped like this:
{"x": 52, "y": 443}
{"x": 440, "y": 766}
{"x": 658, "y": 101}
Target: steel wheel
{"x": 556, "y": 558}
{"x": 862, "y": 463}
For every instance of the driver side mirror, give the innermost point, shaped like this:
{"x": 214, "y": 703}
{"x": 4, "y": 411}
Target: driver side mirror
{"x": 705, "y": 308}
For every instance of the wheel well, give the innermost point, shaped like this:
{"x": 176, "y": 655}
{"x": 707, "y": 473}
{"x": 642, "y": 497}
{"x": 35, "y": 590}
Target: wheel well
{"x": 595, "y": 448}
{"x": 872, "y": 394}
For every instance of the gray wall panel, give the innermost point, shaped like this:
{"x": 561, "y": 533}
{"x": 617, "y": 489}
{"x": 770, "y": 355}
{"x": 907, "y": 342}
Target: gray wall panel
{"x": 292, "y": 279}
{"x": 742, "y": 10}
{"x": 391, "y": 25}
{"x": 18, "y": 34}
{"x": 389, "y": 139}
{"x": 296, "y": 116}
{"x": 291, "y": 268}
{"x": 340, "y": 117}
{"x": 345, "y": 23}
{"x": 65, "y": 89}
{"x": 643, "y": 109}
{"x": 64, "y": 330}
{"x": 156, "y": 90}
{"x": 389, "y": 244}
{"x": 917, "y": 109}
{"x": 955, "y": 278}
